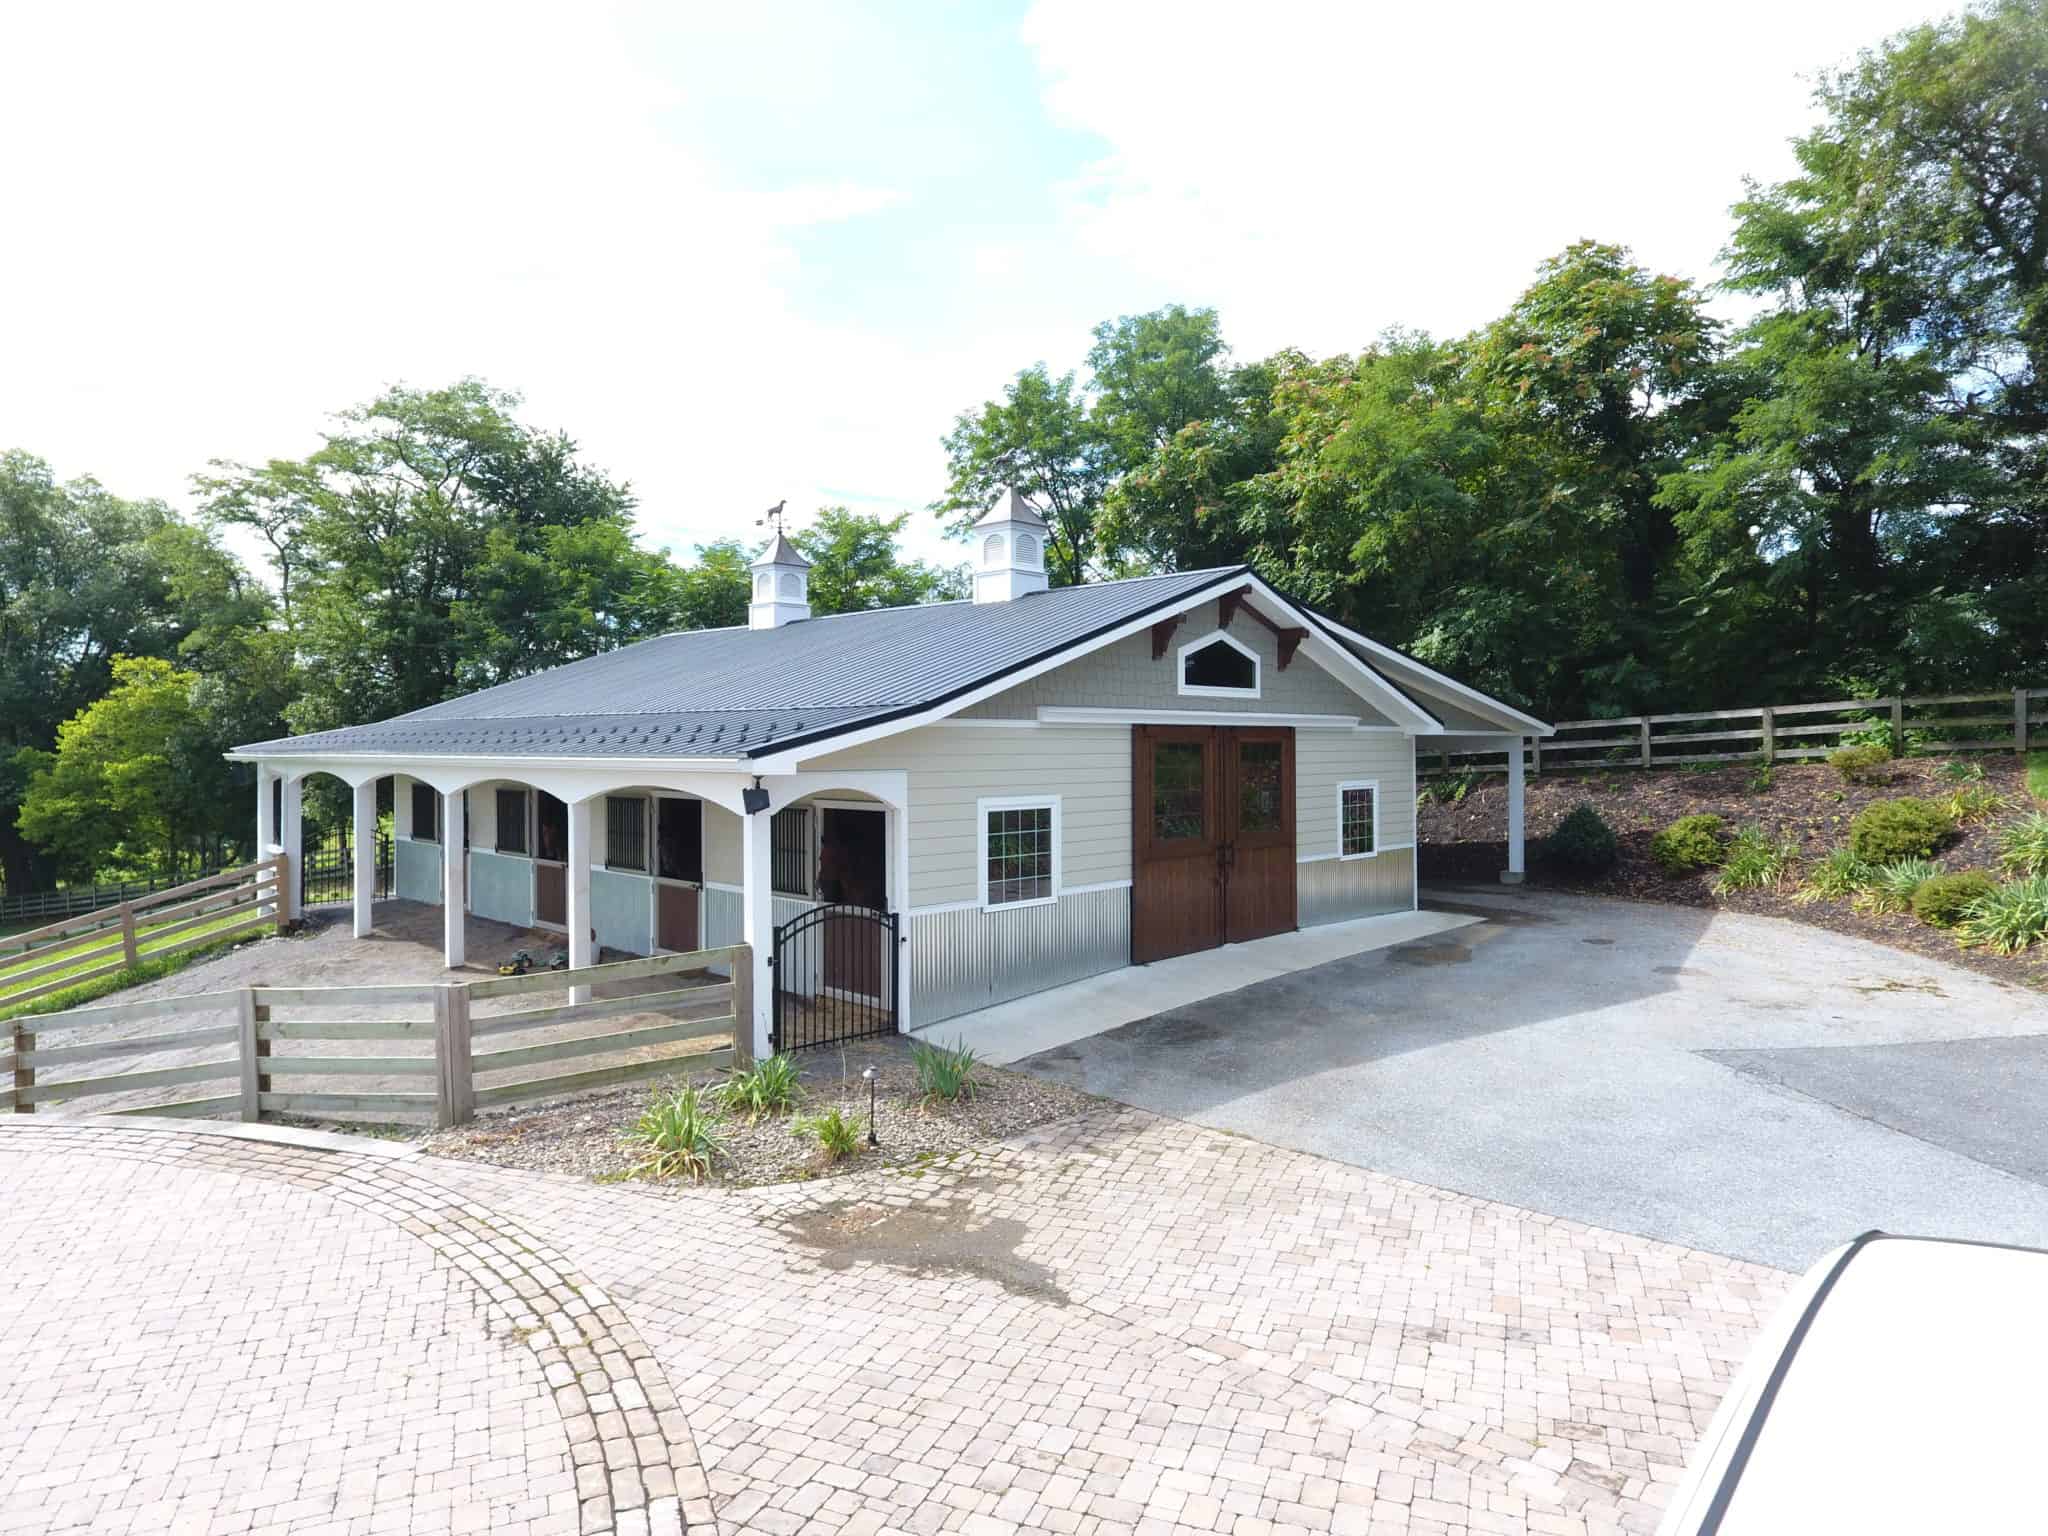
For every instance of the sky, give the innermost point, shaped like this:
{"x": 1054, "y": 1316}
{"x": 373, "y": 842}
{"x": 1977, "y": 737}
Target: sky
{"x": 751, "y": 253}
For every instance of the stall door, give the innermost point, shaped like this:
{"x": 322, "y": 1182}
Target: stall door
{"x": 678, "y": 870}
{"x": 1177, "y": 840}
{"x": 853, "y": 870}
{"x": 1212, "y": 837}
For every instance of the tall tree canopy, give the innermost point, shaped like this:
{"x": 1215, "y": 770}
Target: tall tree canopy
{"x": 856, "y": 565}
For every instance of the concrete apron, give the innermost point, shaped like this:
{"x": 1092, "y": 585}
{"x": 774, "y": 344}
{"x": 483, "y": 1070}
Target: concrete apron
{"x": 1011, "y": 1031}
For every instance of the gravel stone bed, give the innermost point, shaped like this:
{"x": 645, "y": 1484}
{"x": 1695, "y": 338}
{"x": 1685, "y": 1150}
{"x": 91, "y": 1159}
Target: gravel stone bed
{"x": 584, "y": 1135}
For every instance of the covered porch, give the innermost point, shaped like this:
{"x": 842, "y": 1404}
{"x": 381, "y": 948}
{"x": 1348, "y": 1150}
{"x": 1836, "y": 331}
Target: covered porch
{"x": 643, "y": 859}
{"x": 1447, "y": 752}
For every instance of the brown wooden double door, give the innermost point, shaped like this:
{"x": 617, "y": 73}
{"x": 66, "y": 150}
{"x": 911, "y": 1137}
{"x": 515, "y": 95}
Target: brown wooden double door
{"x": 1212, "y": 836}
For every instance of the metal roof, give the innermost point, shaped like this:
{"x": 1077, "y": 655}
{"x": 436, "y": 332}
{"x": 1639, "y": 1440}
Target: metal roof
{"x": 727, "y": 692}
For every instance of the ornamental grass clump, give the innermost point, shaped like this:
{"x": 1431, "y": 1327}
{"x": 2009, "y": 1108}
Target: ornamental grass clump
{"x": 1754, "y": 860}
{"x": 675, "y": 1136}
{"x": 945, "y": 1072}
{"x": 1892, "y": 885}
{"x": 766, "y": 1088}
{"x": 2007, "y": 918}
{"x": 2023, "y": 844}
{"x": 1906, "y": 828}
{"x": 837, "y": 1137}
{"x": 1837, "y": 877}
{"x": 1690, "y": 843}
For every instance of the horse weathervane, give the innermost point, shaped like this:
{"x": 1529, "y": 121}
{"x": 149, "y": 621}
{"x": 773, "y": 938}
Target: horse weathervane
{"x": 772, "y": 518}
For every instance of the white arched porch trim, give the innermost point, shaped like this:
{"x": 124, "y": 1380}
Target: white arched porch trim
{"x": 582, "y": 786}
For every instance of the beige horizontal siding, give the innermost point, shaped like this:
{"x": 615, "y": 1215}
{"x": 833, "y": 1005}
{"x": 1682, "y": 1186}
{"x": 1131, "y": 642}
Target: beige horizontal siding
{"x": 1325, "y": 759}
{"x": 950, "y": 768}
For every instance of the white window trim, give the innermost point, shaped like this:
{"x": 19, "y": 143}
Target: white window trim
{"x": 1013, "y": 803}
{"x": 1203, "y": 642}
{"x": 1378, "y": 846}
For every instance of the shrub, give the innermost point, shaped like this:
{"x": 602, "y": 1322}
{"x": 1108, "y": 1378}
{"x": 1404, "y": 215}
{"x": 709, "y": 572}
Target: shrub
{"x": 836, "y": 1136}
{"x": 674, "y": 1134}
{"x": 1890, "y": 830}
{"x": 1689, "y": 843}
{"x": 1891, "y": 886}
{"x": 1835, "y": 878}
{"x": 1583, "y": 843}
{"x": 766, "y": 1088}
{"x": 1753, "y": 860}
{"x": 2023, "y": 844}
{"x": 2007, "y": 918}
{"x": 945, "y": 1071}
{"x": 1876, "y": 734}
{"x": 1862, "y": 764}
{"x": 1941, "y": 900}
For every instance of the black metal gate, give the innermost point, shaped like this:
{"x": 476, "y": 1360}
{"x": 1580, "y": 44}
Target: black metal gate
{"x": 837, "y": 974}
{"x": 327, "y": 867}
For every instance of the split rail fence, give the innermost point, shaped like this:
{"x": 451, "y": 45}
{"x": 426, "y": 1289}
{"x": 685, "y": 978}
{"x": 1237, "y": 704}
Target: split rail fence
{"x": 1937, "y": 724}
{"x": 334, "y": 1052}
{"x": 105, "y": 942}
{"x": 70, "y": 900}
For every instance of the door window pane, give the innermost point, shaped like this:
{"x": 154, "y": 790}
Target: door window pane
{"x": 511, "y": 827}
{"x": 551, "y": 828}
{"x": 679, "y": 839}
{"x": 1259, "y": 801}
{"x": 1020, "y": 855}
{"x": 426, "y": 807}
{"x": 791, "y": 839}
{"x": 625, "y": 832}
{"x": 1177, "y": 790}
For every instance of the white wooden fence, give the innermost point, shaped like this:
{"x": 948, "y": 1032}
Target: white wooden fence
{"x": 103, "y": 943}
{"x": 268, "y": 1042}
{"x": 1931, "y": 723}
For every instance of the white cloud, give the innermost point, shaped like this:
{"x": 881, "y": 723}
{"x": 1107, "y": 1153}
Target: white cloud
{"x": 1320, "y": 171}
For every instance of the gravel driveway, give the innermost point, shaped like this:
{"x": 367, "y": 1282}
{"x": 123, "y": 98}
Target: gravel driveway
{"x": 1738, "y": 1084}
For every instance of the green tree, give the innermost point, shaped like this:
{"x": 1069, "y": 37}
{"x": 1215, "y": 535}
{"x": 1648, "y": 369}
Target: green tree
{"x": 856, "y": 564}
{"x": 712, "y": 594}
{"x": 86, "y": 576}
{"x": 136, "y": 780}
{"x": 1040, "y": 438}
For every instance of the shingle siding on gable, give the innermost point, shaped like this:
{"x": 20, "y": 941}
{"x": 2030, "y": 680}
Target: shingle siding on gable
{"x": 1124, "y": 675}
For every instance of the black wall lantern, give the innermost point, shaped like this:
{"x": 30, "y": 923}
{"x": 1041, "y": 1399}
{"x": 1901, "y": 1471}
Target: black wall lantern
{"x": 754, "y": 798}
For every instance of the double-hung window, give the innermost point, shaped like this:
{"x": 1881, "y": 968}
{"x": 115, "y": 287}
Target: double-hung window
{"x": 1019, "y": 851}
{"x": 1358, "y": 819}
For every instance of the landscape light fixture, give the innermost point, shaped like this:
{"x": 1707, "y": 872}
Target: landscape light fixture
{"x": 869, "y": 1074}
{"x": 755, "y": 798}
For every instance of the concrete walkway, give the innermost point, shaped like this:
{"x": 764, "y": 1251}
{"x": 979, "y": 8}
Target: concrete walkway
{"x": 1044, "y": 1020}
{"x": 1740, "y": 1084}
{"x": 1116, "y": 1324}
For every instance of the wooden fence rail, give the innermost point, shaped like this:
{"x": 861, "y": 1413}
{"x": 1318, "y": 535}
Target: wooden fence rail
{"x": 103, "y": 943}
{"x": 1924, "y": 724}
{"x": 328, "y": 1059}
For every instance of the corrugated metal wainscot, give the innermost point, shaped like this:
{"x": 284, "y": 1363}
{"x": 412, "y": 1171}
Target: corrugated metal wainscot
{"x": 964, "y": 958}
{"x": 1331, "y": 890}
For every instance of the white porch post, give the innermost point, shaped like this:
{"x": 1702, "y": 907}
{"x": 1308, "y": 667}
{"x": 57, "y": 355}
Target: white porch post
{"x": 453, "y": 913}
{"x": 1512, "y": 875}
{"x": 290, "y": 835}
{"x": 757, "y": 923}
{"x": 582, "y": 942}
{"x": 366, "y": 854}
{"x": 266, "y": 811}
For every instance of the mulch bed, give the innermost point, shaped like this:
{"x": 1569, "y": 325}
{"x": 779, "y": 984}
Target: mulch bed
{"x": 585, "y": 1135}
{"x": 1806, "y": 802}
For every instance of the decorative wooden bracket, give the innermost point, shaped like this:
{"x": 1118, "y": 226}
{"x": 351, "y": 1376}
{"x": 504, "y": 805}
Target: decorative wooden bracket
{"x": 1228, "y": 604}
{"x": 1162, "y": 635}
{"x": 1290, "y": 642}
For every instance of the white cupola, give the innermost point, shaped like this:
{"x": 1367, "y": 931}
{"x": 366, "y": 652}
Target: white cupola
{"x": 781, "y": 586}
{"x": 1010, "y": 550}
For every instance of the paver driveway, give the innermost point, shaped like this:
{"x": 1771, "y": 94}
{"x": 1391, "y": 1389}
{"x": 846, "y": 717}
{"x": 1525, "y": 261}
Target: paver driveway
{"x": 1116, "y": 1324}
{"x": 1739, "y": 1084}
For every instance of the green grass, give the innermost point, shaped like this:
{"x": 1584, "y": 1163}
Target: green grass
{"x": 153, "y": 965}
{"x": 2037, "y": 775}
